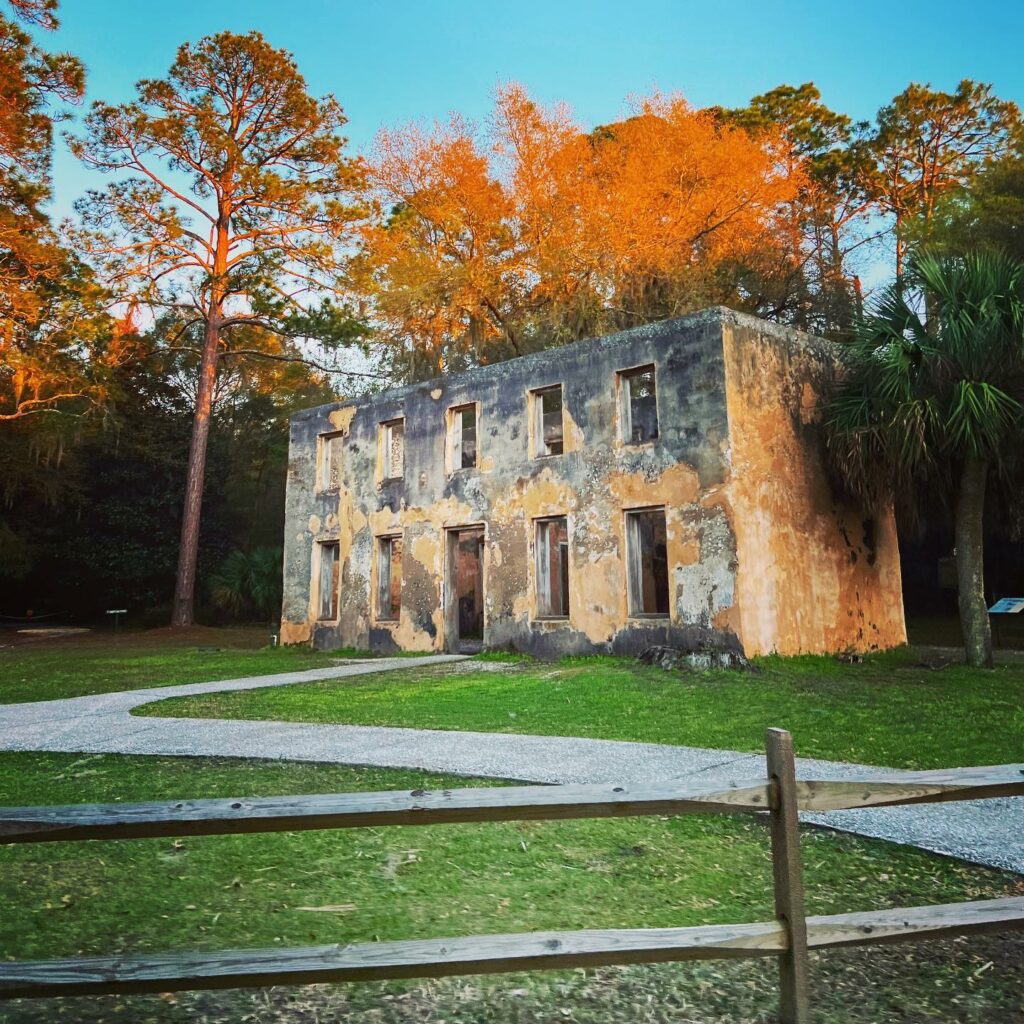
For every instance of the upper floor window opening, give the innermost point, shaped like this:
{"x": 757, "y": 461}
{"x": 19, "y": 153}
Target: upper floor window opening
{"x": 392, "y": 450}
{"x": 638, "y": 405}
{"x": 462, "y": 437}
{"x": 328, "y": 460}
{"x": 548, "y": 425}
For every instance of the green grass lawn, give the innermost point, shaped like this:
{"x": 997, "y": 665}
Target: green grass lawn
{"x": 393, "y": 883}
{"x": 902, "y": 708}
{"x": 103, "y": 663}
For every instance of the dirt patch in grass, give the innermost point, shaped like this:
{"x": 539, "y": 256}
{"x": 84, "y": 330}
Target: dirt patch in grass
{"x": 1007, "y": 630}
{"x": 235, "y": 637}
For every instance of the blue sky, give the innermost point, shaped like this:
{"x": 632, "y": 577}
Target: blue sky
{"x": 402, "y": 60}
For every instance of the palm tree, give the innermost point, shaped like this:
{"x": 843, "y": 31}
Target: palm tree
{"x": 930, "y": 403}
{"x": 248, "y": 583}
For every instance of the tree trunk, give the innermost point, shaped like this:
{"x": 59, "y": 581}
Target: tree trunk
{"x": 183, "y": 611}
{"x": 970, "y": 567}
{"x": 899, "y": 249}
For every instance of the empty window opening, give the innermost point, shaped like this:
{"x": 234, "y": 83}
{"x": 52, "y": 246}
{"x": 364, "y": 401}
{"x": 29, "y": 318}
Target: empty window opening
{"x": 389, "y": 577}
{"x": 393, "y": 449}
{"x": 638, "y": 405}
{"x": 462, "y": 434}
{"x": 553, "y": 568}
{"x": 647, "y": 562}
{"x": 330, "y": 565}
{"x": 328, "y": 475}
{"x": 548, "y": 431}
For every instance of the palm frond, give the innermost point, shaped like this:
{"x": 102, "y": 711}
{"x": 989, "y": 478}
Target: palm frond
{"x": 248, "y": 583}
{"x": 934, "y": 372}
{"x": 979, "y": 416}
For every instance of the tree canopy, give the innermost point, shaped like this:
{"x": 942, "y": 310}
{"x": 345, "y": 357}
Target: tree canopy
{"x": 537, "y": 232}
{"x": 49, "y": 331}
{"x": 930, "y": 143}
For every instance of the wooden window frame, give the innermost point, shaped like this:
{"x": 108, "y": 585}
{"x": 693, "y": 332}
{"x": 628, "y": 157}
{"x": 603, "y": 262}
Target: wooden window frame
{"x": 634, "y": 566}
{"x": 324, "y": 483}
{"x": 386, "y": 542}
{"x": 625, "y": 410}
{"x": 540, "y": 573}
{"x": 535, "y": 409}
{"x": 334, "y": 605}
{"x": 453, "y": 444}
{"x": 385, "y": 451}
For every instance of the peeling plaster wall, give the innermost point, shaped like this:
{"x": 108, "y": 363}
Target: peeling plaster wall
{"x": 697, "y": 469}
{"x": 815, "y": 573}
{"x": 592, "y": 483}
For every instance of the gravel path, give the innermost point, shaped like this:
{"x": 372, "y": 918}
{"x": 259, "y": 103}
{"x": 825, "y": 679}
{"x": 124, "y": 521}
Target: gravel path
{"x": 985, "y": 831}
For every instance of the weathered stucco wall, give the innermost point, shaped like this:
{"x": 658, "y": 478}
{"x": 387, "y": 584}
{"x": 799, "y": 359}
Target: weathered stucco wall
{"x": 815, "y": 574}
{"x": 592, "y": 483}
{"x": 757, "y": 553}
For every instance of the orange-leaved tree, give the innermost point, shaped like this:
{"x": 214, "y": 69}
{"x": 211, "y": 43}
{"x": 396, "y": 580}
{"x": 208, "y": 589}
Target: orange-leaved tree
{"x": 536, "y": 232}
{"x": 47, "y": 303}
{"x": 441, "y": 261}
{"x": 546, "y": 160}
{"x": 688, "y": 211}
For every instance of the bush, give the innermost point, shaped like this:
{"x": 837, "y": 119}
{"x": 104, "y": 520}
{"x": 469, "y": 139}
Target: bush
{"x": 248, "y": 584}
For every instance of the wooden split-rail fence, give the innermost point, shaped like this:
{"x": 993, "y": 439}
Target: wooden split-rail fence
{"x": 789, "y": 937}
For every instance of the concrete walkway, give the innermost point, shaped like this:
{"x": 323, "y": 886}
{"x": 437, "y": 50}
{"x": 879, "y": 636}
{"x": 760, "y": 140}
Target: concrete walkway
{"x": 986, "y": 831}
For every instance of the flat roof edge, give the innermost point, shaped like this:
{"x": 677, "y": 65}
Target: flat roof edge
{"x": 710, "y": 315}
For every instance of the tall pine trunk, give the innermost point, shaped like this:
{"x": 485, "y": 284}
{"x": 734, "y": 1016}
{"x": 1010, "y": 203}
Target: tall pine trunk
{"x": 183, "y": 611}
{"x": 970, "y": 563}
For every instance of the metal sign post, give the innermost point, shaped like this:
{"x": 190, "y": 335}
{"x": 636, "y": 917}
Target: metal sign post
{"x": 117, "y": 613}
{"x": 1006, "y": 606}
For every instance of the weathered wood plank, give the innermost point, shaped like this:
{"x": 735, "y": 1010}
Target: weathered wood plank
{"x": 787, "y": 875}
{"x": 916, "y": 923}
{"x": 356, "y": 810}
{"x": 491, "y": 954}
{"x": 911, "y": 788}
{"x": 210, "y": 817}
{"x": 429, "y": 958}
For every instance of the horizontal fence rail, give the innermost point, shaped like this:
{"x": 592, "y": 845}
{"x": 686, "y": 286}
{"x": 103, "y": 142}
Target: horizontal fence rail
{"x": 492, "y": 954}
{"x": 506, "y": 803}
{"x": 911, "y": 788}
{"x": 359, "y": 810}
{"x": 788, "y": 938}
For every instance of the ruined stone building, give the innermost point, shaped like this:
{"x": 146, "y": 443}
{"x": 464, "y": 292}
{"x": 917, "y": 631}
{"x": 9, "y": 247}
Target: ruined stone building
{"x": 661, "y": 486}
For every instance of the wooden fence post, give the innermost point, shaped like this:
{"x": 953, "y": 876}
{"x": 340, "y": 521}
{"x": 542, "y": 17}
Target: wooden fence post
{"x": 794, "y": 1006}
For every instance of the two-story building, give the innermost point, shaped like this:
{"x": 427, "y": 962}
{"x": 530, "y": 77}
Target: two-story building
{"x": 665, "y": 485}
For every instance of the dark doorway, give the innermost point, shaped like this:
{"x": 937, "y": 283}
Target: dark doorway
{"x": 466, "y": 600}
